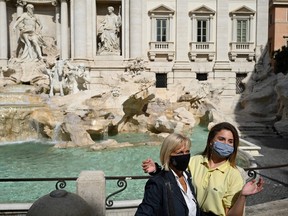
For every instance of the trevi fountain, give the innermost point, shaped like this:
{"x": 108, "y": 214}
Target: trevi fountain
{"x": 45, "y": 94}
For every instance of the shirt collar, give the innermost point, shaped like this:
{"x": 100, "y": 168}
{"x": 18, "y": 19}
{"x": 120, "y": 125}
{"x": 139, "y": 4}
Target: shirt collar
{"x": 176, "y": 176}
{"x": 223, "y": 167}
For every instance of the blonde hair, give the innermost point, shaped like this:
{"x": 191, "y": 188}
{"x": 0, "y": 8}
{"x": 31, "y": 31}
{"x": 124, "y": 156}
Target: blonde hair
{"x": 169, "y": 144}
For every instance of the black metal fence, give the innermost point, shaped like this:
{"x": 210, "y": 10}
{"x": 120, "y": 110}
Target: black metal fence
{"x": 121, "y": 180}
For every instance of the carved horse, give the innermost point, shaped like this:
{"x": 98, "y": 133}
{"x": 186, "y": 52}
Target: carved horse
{"x": 57, "y": 78}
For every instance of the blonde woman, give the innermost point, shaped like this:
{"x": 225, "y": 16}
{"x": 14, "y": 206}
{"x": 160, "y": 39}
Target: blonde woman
{"x": 170, "y": 192}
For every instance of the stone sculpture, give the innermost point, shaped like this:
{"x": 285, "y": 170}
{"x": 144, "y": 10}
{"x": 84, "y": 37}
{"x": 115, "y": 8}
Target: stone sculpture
{"x": 57, "y": 78}
{"x": 282, "y": 115}
{"x": 66, "y": 78}
{"x": 108, "y": 32}
{"x": 135, "y": 66}
{"x": 77, "y": 78}
{"x": 30, "y": 39}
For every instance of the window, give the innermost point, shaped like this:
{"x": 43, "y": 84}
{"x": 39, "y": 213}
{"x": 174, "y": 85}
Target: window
{"x": 161, "y": 80}
{"x": 240, "y": 87}
{"x": 242, "y": 44}
{"x": 202, "y": 24}
{"x": 202, "y": 41}
{"x": 202, "y": 31}
{"x": 161, "y": 44}
{"x": 242, "y": 30}
{"x": 161, "y": 20}
{"x": 201, "y": 76}
{"x": 242, "y": 25}
{"x": 161, "y": 26}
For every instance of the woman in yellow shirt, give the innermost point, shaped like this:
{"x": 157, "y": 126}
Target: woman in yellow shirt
{"x": 217, "y": 181}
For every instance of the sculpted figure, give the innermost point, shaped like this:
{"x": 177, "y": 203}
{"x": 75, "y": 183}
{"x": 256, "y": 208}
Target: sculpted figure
{"x": 136, "y": 66}
{"x": 29, "y": 27}
{"x": 77, "y": 78}
{"x": 57, "y": 78}
{"x": 108, "y": 32}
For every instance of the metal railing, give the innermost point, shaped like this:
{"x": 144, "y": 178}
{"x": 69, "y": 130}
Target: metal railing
{"x": 122, "y": 180}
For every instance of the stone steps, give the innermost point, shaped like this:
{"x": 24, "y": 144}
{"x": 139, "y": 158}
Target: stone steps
{"x": 257, "y": 129}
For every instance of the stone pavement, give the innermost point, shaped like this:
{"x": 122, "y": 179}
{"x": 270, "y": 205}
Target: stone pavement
{"x": 273, "y": 208}
{"x": 273, "y": 200}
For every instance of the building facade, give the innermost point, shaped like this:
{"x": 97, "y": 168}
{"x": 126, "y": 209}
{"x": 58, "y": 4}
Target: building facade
{"x": 278, "y": 24}
{"x": 179, "y": 40}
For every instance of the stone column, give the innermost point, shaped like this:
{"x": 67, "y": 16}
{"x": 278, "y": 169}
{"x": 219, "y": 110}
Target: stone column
{"x": 91, "y": 187}
{"x": 261, "y": 26}
{"x": 222, "y": 46}
{"x": 211, "y": 29}
{"x": 181, "y": 28}
{"x": 234, "y": 29}
{"x": 181, "y": 67}
{"x": 79, "y": 29}
{"x": 64, "y": 30}
{"x": 193, "y": 28}
{"x": 125, "y": 29}
{"x": 58, "y": 25}
{"x": 251, "y": 29}
{"x": 91, "y": 29}
{"x": 135, "y": 28}
{"x": 3, "y": 33}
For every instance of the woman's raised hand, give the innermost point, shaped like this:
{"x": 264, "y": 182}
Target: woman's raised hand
{"x": 148, "y": 166}
{"x": 253, "y": 187}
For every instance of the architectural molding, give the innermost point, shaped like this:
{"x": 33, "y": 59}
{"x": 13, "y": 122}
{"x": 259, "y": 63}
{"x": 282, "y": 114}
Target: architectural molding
{"x": 242, "y": 11}
{"x": 161, "y": 10}
{"x": 203, "y": 10}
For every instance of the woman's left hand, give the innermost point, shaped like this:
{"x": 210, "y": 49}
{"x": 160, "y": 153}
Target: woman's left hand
{"x": 253, "y": 187}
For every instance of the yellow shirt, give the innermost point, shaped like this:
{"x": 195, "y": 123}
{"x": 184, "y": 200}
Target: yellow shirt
{"x": 215, "y": 188}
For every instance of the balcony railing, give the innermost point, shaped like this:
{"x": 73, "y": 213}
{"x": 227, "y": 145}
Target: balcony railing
{"x": 242, "y": 49}
{"x": 161, "y": 48}
{"x": 206, "y": 49}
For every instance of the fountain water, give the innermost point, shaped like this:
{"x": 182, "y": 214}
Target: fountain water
{"x": 41, "y": 160}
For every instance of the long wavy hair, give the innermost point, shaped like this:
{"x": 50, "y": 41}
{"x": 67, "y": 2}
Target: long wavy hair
{"x": 214, "y": 130}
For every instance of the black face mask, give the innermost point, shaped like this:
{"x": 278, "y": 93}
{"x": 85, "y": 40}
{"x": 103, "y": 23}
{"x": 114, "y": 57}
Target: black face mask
{"x": 180, "y": 162}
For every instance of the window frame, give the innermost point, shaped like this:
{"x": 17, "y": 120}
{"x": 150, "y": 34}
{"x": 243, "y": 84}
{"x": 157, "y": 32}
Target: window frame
{"x": 166, "y": 28}
{"x": 202, "y": 13}
{"x": 161, "y": 12}
{"x": 243, "y": 14}
{"x": 202, "y": 28}
{"x": 244, "y": 37}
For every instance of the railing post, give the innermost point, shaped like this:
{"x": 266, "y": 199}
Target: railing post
{"x": 92, "y": 188}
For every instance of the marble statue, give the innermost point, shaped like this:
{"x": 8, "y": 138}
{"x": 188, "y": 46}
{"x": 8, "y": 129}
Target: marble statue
{"x": 77, "y": 78}
{"x": 136, "y": 66}
{"x": 66, "y": 78}
{"x": 108, "y": 32}
{"x": 30, "y": 39}
{"x": 57, "y": 78}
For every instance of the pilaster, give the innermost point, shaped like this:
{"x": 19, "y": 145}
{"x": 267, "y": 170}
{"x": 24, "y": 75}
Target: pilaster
{"x": 222, "y": 62}
{"x": 135, "y": 28}
{"x": 78, "y": 25}
{"x": 64, "y": 30}
{"x": 181, "y": 61}
{"x": 3, "y": 33}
